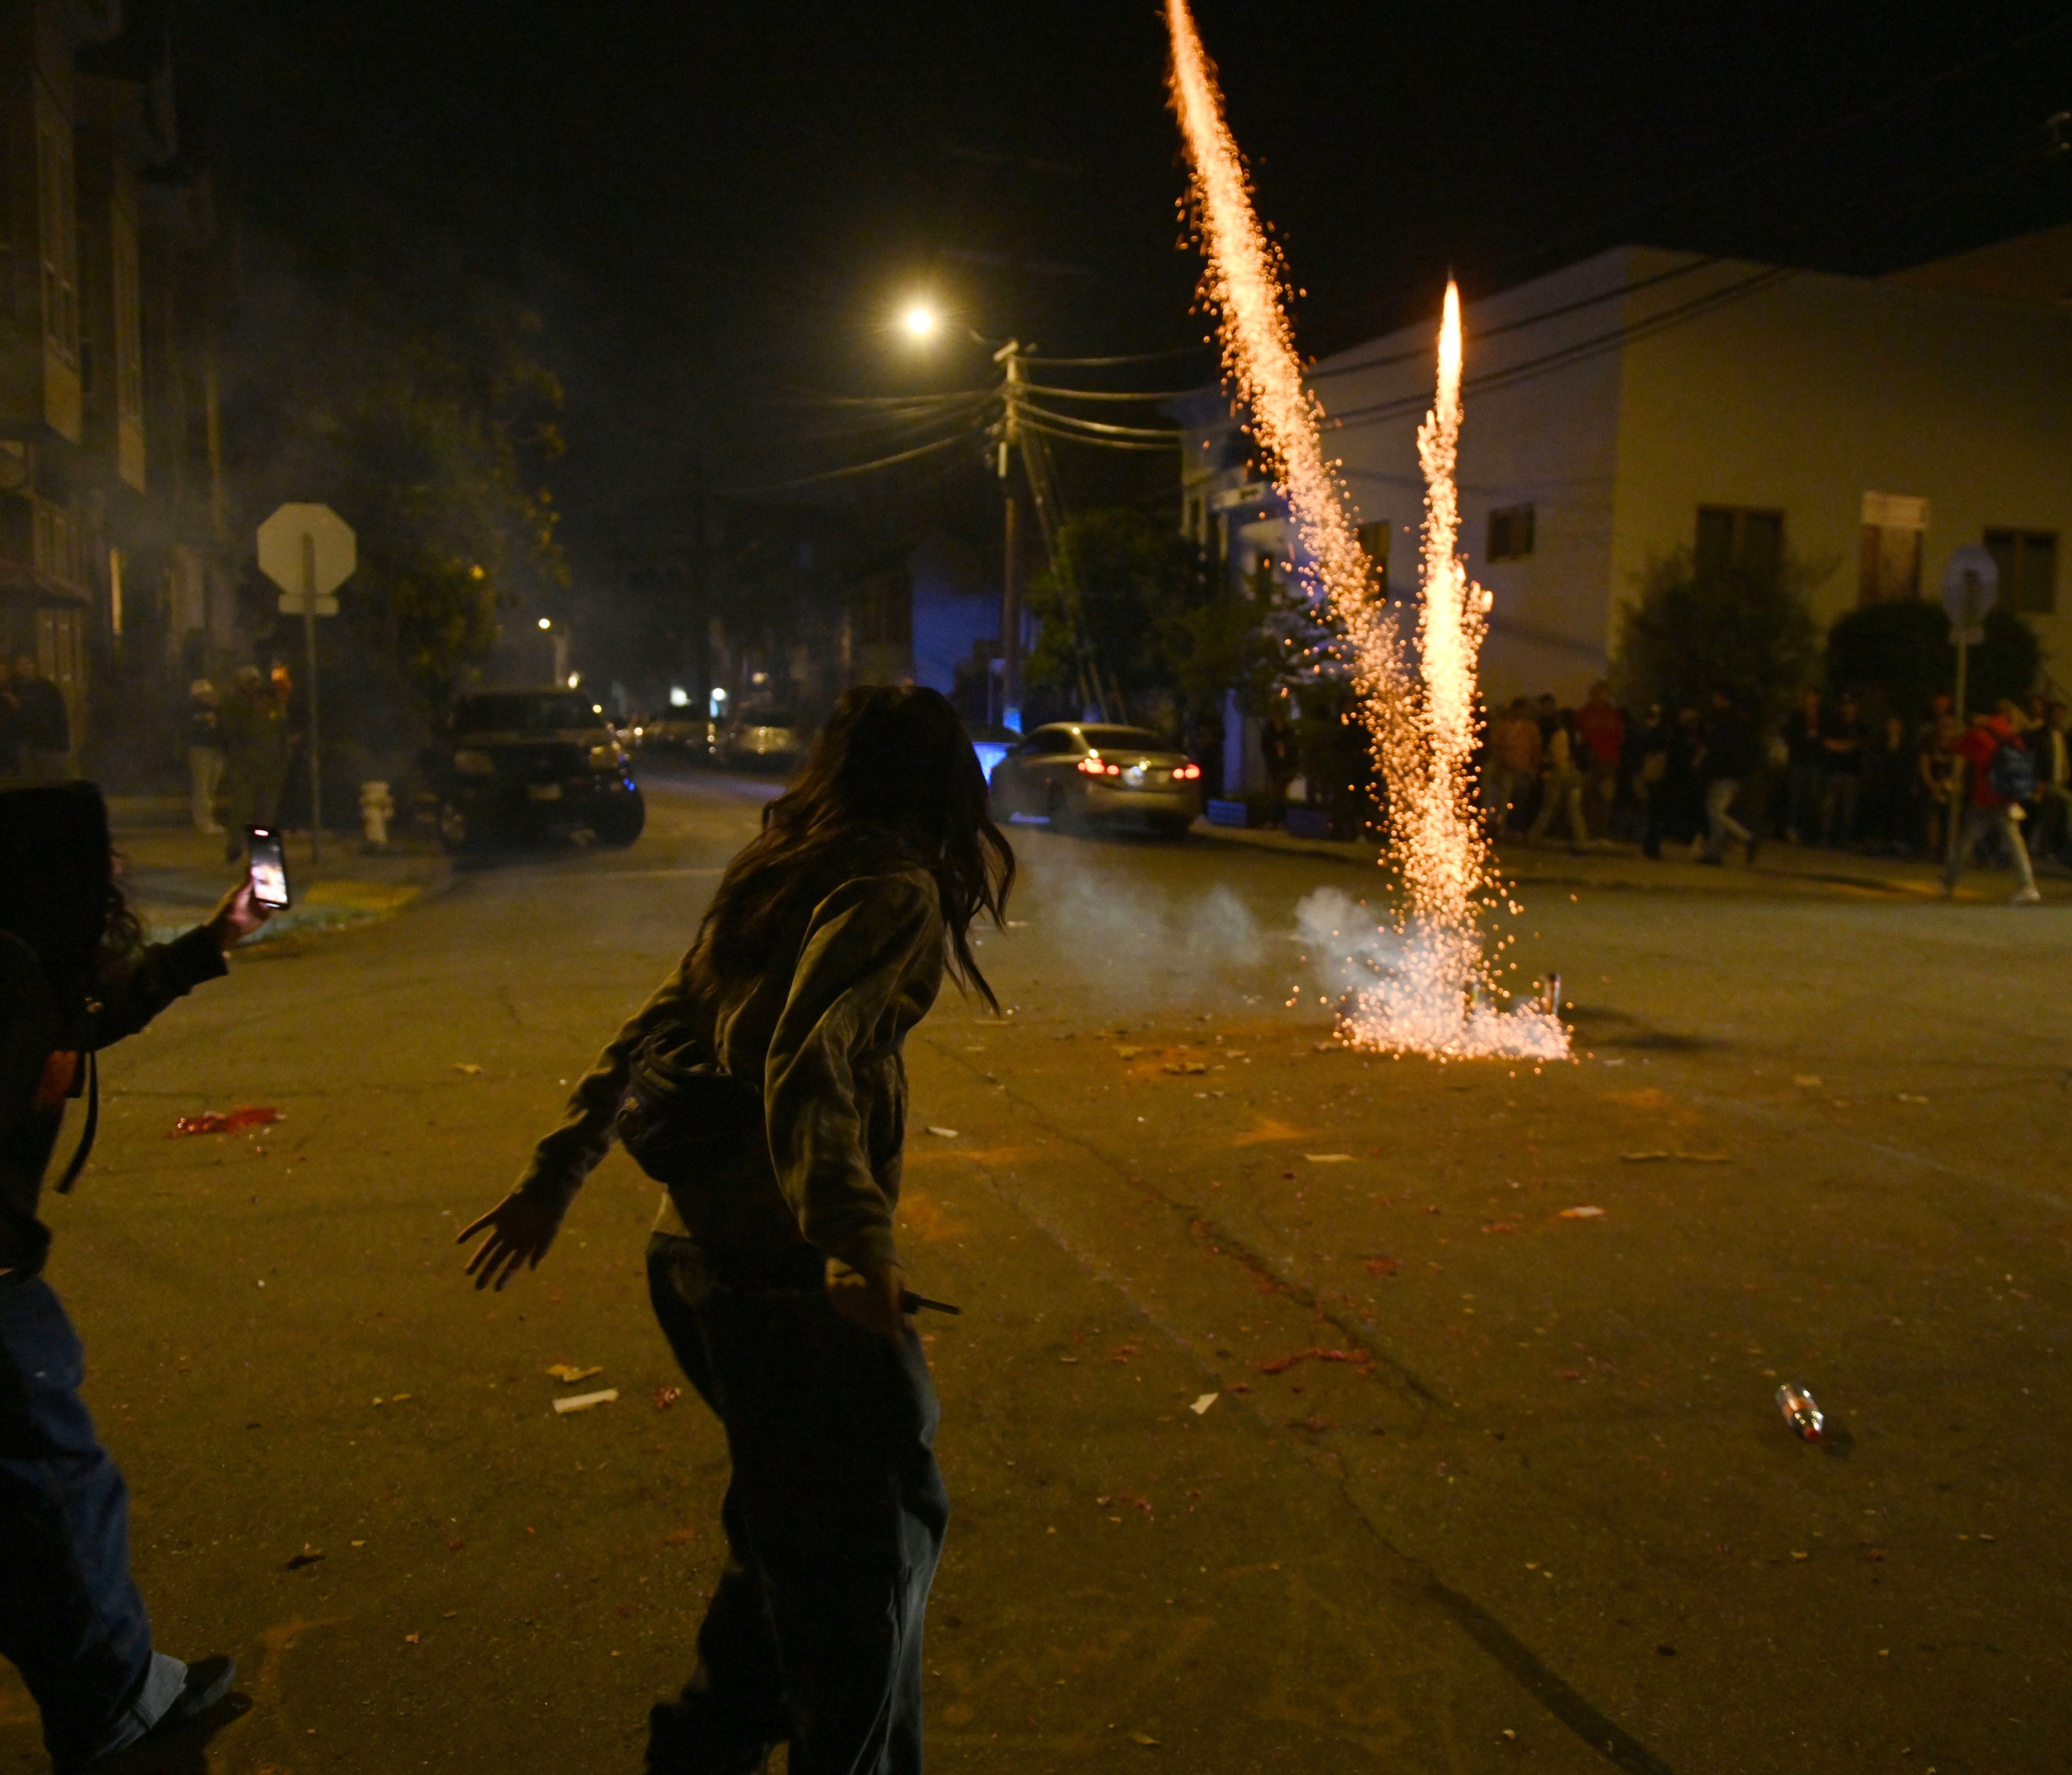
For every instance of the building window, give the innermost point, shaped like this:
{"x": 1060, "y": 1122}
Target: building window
{"x": 1374, "y": 544}
{"x": 1889, "y": 554}
{"x": 56, "y": 243}
{"x": 129, "y": 326}
{"x": 2028, "y": 561}
{"x": 1510, "y": 533}
{"x": 1735, "y": 540}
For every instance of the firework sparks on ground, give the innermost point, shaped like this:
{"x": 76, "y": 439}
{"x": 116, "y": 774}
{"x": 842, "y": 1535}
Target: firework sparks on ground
{"x": 1433, "y": 996}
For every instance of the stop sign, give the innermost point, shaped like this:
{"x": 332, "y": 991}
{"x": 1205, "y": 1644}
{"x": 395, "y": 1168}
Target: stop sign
{"x": 307, "y": 551}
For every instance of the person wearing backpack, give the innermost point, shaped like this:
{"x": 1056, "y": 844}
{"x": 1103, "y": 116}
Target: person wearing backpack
{"x": 2000, "y": 771}
{"x": 74, "y": 977}
{"x": 763, "y": 1085}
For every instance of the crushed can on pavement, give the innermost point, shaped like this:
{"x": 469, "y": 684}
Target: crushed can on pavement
{"x": 1800, "y": 1411}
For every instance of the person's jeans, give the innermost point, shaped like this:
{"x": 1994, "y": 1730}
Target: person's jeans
{"x": 1843, "y": 787}
{"x": 1980, "y": 821}
{"x": 834, "y": 1521}
{"x": 1805, "y": 790}
{"x": 1720, "y": 825}
{"x": 71, "y": 1620}
{"x": 205, "y": 772}
{"x": 1564, "y": 795}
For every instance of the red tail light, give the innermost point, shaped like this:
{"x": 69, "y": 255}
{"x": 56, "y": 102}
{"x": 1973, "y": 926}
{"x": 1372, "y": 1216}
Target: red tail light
{"x": 1188, "y": 772}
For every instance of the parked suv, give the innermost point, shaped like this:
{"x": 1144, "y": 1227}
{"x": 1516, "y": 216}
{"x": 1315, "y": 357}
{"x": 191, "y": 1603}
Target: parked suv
{"x": 520, "y": 764}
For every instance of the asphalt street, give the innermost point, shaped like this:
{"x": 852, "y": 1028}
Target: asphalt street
{"x": 1296, "y": 1419}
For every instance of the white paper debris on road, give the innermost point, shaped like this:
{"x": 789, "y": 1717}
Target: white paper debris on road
{"x": 1202, "y": 1404}
{"x": 568, "y": 1374}
{"x": 1581, "y": 1213}
{"x": 1329, "y": 1158}
{"x": 943, "y": 1133}
{"x": 582, "y": 1401}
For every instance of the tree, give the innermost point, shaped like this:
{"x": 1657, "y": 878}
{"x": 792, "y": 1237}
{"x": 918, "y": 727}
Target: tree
{"x": 1689, "y": 633}
{"x": 1901, "y": 655}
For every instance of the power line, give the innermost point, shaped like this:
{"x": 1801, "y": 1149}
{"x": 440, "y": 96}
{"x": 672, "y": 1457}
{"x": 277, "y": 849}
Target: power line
{"x": 1134, "y": 357}
{"x": 1108, "y": 394}
{"x": 859, "y": 468}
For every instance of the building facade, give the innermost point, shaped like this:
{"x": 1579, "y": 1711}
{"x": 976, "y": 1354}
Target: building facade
{"x": 115, "y": 571}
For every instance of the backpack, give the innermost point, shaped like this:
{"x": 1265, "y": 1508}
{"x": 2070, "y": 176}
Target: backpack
{"x": 2011, "y": 774}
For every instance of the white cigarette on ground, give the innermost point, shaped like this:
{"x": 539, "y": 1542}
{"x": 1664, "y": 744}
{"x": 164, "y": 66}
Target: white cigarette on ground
{"x": 582, "y": 1401}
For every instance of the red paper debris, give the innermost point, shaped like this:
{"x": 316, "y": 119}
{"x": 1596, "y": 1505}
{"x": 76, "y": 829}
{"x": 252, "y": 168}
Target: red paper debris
{"x": 667, "y": 1396}
{"x": 228, "y": 1121}
{"x": 1384, "y": 1266}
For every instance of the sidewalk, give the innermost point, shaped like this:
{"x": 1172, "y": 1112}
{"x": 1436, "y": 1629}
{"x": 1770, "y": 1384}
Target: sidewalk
{"x": 174, "y": 875}
{"x": 1781, "y": 869}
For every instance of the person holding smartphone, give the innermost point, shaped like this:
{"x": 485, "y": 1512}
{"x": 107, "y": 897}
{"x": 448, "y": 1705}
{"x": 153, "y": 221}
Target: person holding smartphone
{"x": 773, "y": 1269}
{"x": 74, "y": 977}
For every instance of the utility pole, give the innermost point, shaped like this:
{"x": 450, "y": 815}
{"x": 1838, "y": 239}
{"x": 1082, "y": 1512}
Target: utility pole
{"x": 1008, "y": 357}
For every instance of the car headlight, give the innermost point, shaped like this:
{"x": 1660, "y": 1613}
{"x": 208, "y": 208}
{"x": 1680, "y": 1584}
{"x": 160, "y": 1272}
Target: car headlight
{"x": 605, "y": 757}
{"x": 475, "y": 764}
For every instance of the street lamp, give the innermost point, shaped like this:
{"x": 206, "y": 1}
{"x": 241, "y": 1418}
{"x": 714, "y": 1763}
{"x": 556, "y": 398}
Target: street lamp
{"x": 922, "y": 323}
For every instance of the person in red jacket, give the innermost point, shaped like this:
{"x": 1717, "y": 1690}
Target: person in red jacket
{"x": 1986, "y": 809}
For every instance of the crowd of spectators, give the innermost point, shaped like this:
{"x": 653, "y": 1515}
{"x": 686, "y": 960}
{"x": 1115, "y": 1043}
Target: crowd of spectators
{"x": 1712, "y": 779}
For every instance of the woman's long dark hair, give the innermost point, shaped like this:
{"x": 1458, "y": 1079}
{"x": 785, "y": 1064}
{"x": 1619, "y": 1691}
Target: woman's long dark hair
{"x": 58, "y": 892}
{"x": 892, "y": 782}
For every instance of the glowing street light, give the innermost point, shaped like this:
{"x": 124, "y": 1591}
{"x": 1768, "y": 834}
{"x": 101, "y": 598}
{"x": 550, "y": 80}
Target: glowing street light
{"x": 546, "y": 623}
{"x": 920, "y": 321}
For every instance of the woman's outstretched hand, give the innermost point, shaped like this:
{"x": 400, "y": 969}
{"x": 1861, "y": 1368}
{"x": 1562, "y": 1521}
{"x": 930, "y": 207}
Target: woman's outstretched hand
{"x": 519, "y": 1232}
{"x": 237, "y": 916}
{"x": 869, "y": 1298}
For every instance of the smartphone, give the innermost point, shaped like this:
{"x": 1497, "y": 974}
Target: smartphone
{"x": 268, "y": 867}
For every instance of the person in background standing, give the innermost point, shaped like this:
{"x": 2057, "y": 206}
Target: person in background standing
{"x": 255, "y": 750}
{"x": 205, "y": 744}
{"x": 1276, "y": 752}
{"x": 2053, "y": 783}
{"x": 43, "y": 725}
{"x": 1805, "y": 771}
{"x": 1561, "y": 790}
{"x": 1888, "y": 823}
{"x": 1843, "y": 737}
{"x": 1730, "y": 760}
{"x": 10, "y": 723}
{"x": 1988, "y": 808}
{"x": 1514, "y": 763}
{"x": 1600, "y": 726}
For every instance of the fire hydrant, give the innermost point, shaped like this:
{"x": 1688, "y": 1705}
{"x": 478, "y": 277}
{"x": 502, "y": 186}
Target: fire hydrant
{"x": 377, "y": 807}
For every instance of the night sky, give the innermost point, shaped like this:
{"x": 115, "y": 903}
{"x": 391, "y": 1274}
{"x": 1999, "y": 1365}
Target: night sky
{"x": 716, "y": 205}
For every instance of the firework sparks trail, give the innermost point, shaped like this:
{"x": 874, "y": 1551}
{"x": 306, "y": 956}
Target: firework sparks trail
{"x": 1434, "y": 997}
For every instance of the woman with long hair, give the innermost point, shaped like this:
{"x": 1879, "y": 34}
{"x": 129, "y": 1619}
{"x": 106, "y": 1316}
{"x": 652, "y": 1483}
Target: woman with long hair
{"x": 75, "y": 976}
{"x": 772, "y": 1268}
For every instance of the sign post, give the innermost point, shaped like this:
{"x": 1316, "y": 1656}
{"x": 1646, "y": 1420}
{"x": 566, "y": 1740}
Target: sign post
{"x": 1971, "y": 587}
{"x": 309, "y": 551}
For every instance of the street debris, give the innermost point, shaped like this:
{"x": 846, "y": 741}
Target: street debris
{"x": 1142, "y": 1738}
{"x": 1281, "y": 1364}
{"x": 1582, "y": 1214}
{"x": 1810, "y": 1080}
{"x": 667, "y": 1396}
{"x": 1201, "y": 1405}
{"x": 582, "y": 1401}
{"x": 1501, "y": 1226}
{"x": 1800, "y": 1411}
{"x": 568, "y": 1374}
{"x": 942, "y": 1133}
{"x": 308, "y": 1556}
{"x": 467, "y": 1067}
{"x": 1186, "y": 1067}
{"x": 679, "y": 1537}
{"x": 1128, "y": 1053}
{"x": 1384, "y": 1266}
{"x": 228, "y": 1121}
{"x": 394, "y": 1399}
{"x": 1687, "y": 1158}
{"x": 1912, "y": 1097}
{"x": 1329, "y": 1158}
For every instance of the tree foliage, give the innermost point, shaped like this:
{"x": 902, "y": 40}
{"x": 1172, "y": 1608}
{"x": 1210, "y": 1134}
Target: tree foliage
{"x": 1688, "y": 634}
{"x": 1901, "y": 654}
{"x": 411, "y": 398}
